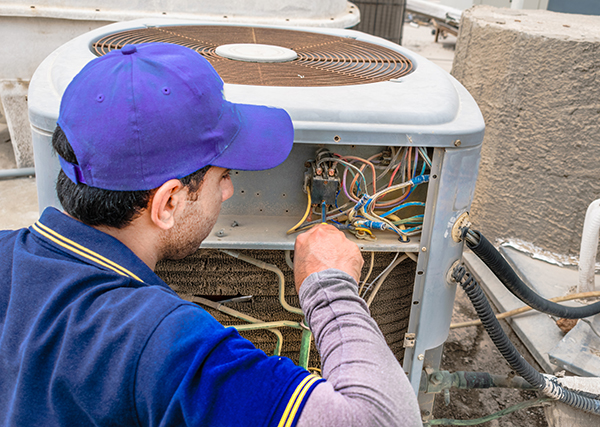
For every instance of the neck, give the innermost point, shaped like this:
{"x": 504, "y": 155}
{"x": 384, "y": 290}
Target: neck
{"x": 137, "y": 236}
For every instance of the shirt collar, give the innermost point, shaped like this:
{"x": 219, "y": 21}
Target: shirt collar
{"x": 92, "y": 246}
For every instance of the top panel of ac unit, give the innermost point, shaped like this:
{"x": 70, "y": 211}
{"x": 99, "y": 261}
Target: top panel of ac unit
{"x": 339, "y": 86}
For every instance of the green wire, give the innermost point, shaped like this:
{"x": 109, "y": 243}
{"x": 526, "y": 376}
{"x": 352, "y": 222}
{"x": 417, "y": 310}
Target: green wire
{"x": 495, "y": 415}
{"x": 412, "y": 219}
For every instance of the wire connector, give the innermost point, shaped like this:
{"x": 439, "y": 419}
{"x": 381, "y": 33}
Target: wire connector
{"x": 420, "y": 179}
{"x": 371, "y": 225}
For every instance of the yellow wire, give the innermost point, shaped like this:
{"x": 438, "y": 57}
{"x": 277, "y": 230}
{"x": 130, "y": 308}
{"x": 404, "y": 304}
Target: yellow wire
{"x": 293, "y": 229}
{"x": 315, "y": 371}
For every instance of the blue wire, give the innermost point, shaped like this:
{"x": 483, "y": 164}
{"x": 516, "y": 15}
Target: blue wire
{"x": 402, "y": 206}
{"x": 416, "y": 163}
{"x": 408, "y": 230}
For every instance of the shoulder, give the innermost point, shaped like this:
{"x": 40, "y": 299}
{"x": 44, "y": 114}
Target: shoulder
{"x": 194, "y": 364}
{"x": 8, "y": 238}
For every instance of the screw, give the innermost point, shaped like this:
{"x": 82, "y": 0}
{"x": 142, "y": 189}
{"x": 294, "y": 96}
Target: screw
{"x": 221, "y": 233}
{"x": 319, "y": 171}
{"x": 331, "y": 172}
{"x": 424, "y": 249}
{"x": 421, "y": 357}
{"x": 457, "y": 143}
{"x": 234, "y": 224}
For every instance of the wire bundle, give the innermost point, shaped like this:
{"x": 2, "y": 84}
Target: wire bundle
{"x": 370, "y": 207}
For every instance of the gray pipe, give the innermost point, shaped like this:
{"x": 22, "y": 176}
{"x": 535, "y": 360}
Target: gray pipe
{"x": 16, "y": 173}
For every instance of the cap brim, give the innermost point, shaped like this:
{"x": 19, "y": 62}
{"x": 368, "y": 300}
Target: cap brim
{"x": 264, "y": 140}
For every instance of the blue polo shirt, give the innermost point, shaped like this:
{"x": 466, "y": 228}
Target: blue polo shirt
{"x": 89, "y": 335}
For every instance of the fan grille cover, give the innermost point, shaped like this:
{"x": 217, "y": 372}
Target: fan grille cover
{"x": 323, "y": 60}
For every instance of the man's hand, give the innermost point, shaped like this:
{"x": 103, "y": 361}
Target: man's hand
{"x": 323, "y": 247}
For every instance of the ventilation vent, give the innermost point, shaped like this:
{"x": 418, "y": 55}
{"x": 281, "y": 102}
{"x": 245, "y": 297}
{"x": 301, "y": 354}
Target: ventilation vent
{"x": 321, "y": 60}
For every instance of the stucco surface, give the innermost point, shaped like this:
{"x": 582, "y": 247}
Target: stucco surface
{"x": 535, "y": 76}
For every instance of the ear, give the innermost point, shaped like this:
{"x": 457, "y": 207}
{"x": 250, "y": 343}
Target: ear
{"x": 167, "y": 199}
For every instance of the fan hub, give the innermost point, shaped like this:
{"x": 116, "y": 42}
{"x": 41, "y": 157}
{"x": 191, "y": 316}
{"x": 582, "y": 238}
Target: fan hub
{"x": 251, "y": 52}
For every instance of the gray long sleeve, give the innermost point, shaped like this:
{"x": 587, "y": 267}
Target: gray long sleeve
{"x": 365, "y": 384}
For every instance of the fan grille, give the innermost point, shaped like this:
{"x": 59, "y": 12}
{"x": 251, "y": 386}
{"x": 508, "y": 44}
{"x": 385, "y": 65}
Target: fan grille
{"x": 323, "y": 60}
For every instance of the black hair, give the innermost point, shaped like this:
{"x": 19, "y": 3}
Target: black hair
{"x": 96, "y": 206}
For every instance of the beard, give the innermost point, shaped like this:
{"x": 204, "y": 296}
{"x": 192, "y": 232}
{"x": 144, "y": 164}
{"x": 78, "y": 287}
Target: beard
{"x": 189, "y": 231}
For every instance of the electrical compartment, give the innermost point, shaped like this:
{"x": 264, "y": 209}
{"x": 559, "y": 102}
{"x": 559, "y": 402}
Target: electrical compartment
{"x": 268, "y": 204}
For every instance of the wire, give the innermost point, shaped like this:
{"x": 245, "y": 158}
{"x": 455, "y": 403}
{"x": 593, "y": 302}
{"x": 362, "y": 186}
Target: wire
{"x": 376, "y": 209}
{"x": 329, "y": 218}
{"x": 416, "y": 163}
{"x": 345, "y": 164}
{"x": 368, "y": 273}
{"x": 523, "y": 405}
{"x": 288, "y": 259}
{"x": 400, "y": 166}
{"x": 383, "y": 272}
{"x": 366, "y": 162}
{"x": 293, "y": 229}
{"x": 511, "y": 280}
{"x": 387, "y": 272}
{"x": 391, "y": 165}
{"x": 402, "y": 206}
{"x": 425, "y": 156}
{"x": 581, "y": 295}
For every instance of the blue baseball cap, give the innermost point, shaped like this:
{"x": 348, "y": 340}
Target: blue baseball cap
{"x": 147, "y": 113}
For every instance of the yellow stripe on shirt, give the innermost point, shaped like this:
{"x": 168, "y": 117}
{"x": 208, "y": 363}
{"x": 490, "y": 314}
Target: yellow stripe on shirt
{"x": 82, "y": 251}
{"x": 296, "y": 400}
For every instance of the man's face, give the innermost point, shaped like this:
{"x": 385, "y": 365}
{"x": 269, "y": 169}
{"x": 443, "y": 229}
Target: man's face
{"x": 199, "y": 215}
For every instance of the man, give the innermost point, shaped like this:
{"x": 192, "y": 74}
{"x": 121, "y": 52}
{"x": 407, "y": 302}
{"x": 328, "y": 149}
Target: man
{"x": 89, "y": 335}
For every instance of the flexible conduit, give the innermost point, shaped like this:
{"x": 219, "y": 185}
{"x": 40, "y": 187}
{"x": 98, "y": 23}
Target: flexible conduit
{"x": 500, "y": 267}
{"x": 589, "y": 248}
{"x": 547, "y": 384}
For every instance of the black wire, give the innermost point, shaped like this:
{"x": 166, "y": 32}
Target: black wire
{"x": 500, "y": 267}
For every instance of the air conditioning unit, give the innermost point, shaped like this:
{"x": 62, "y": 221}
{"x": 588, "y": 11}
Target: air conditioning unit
{"x": 351, "y": 96}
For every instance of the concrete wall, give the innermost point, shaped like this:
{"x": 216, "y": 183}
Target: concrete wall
{"x": 536, "y": 77}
